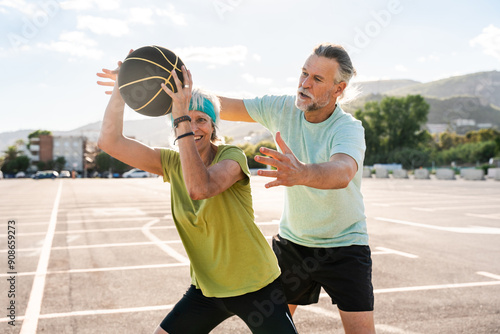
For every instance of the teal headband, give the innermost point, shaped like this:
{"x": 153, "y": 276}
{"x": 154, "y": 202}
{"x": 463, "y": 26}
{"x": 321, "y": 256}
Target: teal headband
{"x": 207, "y": 107}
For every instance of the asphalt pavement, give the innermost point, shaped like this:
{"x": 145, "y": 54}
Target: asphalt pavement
{"x": 103, "y": 256}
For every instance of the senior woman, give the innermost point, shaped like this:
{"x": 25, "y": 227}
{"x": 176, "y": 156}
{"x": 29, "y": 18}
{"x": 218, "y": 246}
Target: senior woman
{"x": 233, "y": 269}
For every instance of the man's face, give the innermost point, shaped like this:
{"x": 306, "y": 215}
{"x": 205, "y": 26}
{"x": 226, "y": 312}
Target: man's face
{"x": 316, "y": 84}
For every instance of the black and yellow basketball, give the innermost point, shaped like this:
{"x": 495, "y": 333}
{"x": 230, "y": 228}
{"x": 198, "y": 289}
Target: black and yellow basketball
{"x": 141, "y": 76}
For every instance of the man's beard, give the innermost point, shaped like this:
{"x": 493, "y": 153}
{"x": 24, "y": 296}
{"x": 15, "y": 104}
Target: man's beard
{"x": 315, "y": 105}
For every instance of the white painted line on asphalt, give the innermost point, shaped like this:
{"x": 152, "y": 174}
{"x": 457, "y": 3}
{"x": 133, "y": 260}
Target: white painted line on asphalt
{"x": 117, "y": 211}
{"x": 468, "y": 230}
{"x": 456, "y": 207}
{"x": 27, "y": 215}
{"x": 94, "y": 270}
{"x": 429, "y": 287}
{"x": 123, "y": 244}
{"x": 106, "y": 220}
{"x": 412, "y": 201}
{"x": 167, "y": 249}
{"x": 385, "y": 205}
{"x": 273, "y": 222}
{"x": 88, "y": 221}
{"x": 490, "y": 275}
{"x": 391, "y": 329}
{"x": 383, "y": 250}
{"x": 334, "y": 314}
{"x": 491, "y": 216}
{"x": 319, "y": 310}
{"x": 392, "y": 251}
{"x": 97, "y": 312}
{"x": 122, "y": 229}
{"x": 436, "y": 287}
{"x": 35, "y": 301}
{"x": 310, "y": 308}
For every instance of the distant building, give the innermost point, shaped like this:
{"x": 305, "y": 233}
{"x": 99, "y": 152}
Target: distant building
{"x": 47, "y": 148}
{"x": 485, "y": 125}
{"x": 437, "y": 127}
{"x": 41, "y": 149}
{"x": 72, "y": 148}
{"x": 464, "y": 122}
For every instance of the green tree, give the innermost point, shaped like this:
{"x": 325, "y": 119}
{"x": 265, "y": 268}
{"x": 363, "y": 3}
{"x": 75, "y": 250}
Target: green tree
{"x": 467, "y": 153}
{"x": 410, "y": 158}
{"x": 41, "y": 165}
{"x": 448, "y": 140}
{"x": 59, "y": 163}
{"x": 474, "y": 146}
{"x": 481, "y": 135}
{"x": 393, "y": 124}
{"x": 11, "y": 153}
{"x": 252, "y": 150}
{"x": 12, "y": 161}
{"x": 18, "y": 164}
{"x": 37, "y": 133}
{"x": 497, "y": 149}
{"x": 105, "y": 162}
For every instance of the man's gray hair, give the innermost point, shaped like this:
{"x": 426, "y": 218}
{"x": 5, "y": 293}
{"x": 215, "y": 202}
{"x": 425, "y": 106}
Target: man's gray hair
{"x": 346, "y": 70}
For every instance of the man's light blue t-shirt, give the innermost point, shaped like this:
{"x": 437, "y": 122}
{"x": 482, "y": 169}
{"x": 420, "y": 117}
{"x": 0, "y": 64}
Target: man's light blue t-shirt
{"x": 315, "y": 217}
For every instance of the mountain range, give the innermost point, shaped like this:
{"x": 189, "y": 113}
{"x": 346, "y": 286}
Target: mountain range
{"x": 459, "y": 103}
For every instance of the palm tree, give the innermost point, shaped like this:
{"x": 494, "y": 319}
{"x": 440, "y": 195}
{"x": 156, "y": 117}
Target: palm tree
{"x": 12, "y": 153}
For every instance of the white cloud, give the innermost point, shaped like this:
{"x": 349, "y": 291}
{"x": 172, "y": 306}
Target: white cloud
{"x": 253, "y": 80}
{"x": 141, "y": 15}
{"x": 19, "y": 5}
{"x": 236, "y": 94}
{"x": 489, "y": 40}
{"x": 292, "y": 79}
{"x": 38, "y": 13}
{"x": 74, "y": 43}
{"x": 257, "y": 57}
{"x": 283, "y": 90}
{"x": 103, "y": 26}
{"x": 365, "y": 78}
{"x": 400, "y": 68}
{"x": 90, "y": 4}
{"x": 213, "y": 55}
{"x": 119, "y": 27}
{"x": 172, "y": 14}
{"x": 428, "y": 58}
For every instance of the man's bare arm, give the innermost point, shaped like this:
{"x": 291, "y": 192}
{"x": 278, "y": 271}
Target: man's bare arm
{"x": 234, "y": 110}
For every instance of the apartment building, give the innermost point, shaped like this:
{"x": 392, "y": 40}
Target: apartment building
{"x": 47, "y": 147}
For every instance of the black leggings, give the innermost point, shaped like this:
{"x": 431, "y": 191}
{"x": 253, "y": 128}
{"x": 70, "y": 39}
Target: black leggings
{"x": 264, "y": 311}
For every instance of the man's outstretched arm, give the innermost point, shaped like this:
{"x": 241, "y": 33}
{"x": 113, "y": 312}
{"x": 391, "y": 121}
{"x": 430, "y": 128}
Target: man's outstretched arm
{"x": 334, "y": 174}
{"x": 234, "y": 110}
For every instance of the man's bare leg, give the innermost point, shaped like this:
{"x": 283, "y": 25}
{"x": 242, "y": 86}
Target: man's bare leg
{"x": 358, "y": 322}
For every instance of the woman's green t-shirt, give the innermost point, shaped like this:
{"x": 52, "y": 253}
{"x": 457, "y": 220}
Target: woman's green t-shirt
{"x": 229, "y": 255}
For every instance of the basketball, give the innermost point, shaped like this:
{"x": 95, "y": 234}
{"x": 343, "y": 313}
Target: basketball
{"x": 141, "y": 76}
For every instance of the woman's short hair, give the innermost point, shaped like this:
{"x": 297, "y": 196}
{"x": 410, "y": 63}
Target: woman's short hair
{"x": 197, "y": 97}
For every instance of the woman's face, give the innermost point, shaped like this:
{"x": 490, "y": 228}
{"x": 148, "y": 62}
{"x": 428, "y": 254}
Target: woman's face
{"x": 201, "y": 124}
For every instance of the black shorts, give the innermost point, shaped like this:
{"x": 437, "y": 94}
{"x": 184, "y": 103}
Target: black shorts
{"x": 344, "y": 272}
{"x": 264, "y": 311}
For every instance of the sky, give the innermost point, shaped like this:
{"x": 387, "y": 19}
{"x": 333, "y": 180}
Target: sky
{"x": 51, "y": 50}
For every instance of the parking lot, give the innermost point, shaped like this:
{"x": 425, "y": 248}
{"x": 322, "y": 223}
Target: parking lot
{"x": 103, "y": 256}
